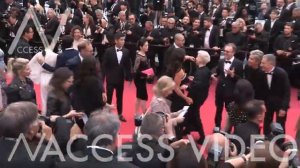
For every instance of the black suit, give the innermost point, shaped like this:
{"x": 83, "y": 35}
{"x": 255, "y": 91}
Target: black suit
{"x": 116, "y": 73}
{"x": 51, "y": 26}
{"x": 239, "y": 39}
{"x": 99, "y": 42}
{"x": 201, "y": 17}
{"x": 225, "y": 86}
{"x": 21, "y": 156}
{"x": 217, "y": 14}
{"x": 214, "y": 38}
{"x": 198, "y": 91}
{"x": 244, "y": 131}
{"x": 255, "y": 76}
{"x": 274, "y": 31}
{"x": 276, "y": 98}
{"x": 93, "y": 162}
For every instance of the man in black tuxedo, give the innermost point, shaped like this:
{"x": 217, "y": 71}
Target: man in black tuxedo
{"x": 52, "y": 24}
{"x": 21, "y": 118}
{"x": 255, "y": 111}
{"x": 276, "y": 92}
{"x": 100, "y": 150}
{"x": 62, "y": 58}
{"x": 117, "y": 68}
{"x": 228, "y": 71}
{"x": 274, "y": 27}
{"x": 211, "y": 35}
{"x": 253, "y": 73}
{"x": 216, "y": 11}
{"x": 202, "y": 14}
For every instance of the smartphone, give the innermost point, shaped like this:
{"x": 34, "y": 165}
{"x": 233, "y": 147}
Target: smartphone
{"x": 184, "y": 111}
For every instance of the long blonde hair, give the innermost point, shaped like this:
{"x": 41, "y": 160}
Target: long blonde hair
{"x": 163, "y": 84}
{"x": 14, "y": 65}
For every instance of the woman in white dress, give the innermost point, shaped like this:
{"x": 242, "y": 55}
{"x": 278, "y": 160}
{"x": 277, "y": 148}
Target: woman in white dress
{"x": 41, "y": 76}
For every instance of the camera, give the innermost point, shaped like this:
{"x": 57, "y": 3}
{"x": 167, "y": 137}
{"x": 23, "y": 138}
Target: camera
{"x": 138, "y": 120}
{"x": 214, "y": 156}
{"x": 250, "y": 30}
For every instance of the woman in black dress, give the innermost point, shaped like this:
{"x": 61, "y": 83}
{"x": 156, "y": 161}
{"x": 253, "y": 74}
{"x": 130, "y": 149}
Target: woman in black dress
{"x": 21, "y": 88}
{"x": 243, "y": 92}
{"x": 88, "y": 93}
{"x": 140, "y": 79}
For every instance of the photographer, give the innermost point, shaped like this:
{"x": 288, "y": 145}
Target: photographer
{"x": 258, "y": 38}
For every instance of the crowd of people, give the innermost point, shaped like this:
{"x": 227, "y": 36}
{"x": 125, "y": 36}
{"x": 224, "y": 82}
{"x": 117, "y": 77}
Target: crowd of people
{"x": 249, "y": 48}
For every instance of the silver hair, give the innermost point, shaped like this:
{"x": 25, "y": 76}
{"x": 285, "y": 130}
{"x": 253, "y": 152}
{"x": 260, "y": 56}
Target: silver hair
{"x": 102, "y": 123}
{"x": 205, "y": 56}
{"x": 270, "y": 58}
{"x": 257, "y": 54}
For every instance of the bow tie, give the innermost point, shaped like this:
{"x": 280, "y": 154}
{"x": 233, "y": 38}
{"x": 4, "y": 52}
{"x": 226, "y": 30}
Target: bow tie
{"x": 227, "y": 62}
{"x": 269, "y": 73}
{"x": 119, "y": 50}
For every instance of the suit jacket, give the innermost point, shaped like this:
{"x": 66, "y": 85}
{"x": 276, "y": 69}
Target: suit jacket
{"x": 278, "y": 96}
{"x": 21, "y": 156}
{"x": 51, "y": 26}
{"x": 255, "y": 76}
{"x": 201, "y": 17}
{"x": 114, "y": 72}
{"x": 62, "y": 59}
{"x": 214, "y": 38}
{"x": 226, "y": 84}
{"x": 93, "y": 162}
{"x": 73, "y": 63}
{"x": 244, "y": 131}
{"x": 217, "y": 14}
{"x": 276, "y": 29}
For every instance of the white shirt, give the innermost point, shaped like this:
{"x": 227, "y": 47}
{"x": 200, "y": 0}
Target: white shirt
{"x": 272, "y": 23}
{"x": 119, "y": 54}
{"x": 206, "y": 39}
{"x": 269, "y": 77}
{"x": 81, "y": 58}
{"x": 176, "y": 46}
{"x": 227, "y": 65}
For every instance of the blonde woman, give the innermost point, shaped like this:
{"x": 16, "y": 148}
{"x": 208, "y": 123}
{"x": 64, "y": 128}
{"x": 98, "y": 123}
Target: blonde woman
{"x": 159, "y": 103}
{"x": 21, "y": 87}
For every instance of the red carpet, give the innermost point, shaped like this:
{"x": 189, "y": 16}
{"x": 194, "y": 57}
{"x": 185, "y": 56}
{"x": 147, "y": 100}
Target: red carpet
{"x": 207, "y": 110}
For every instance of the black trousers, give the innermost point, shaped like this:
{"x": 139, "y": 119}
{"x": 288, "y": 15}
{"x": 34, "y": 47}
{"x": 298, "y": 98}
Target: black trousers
{"x": 192, "y": 118}
{"x": 269, "y": 119}
{"x": 119, "y": 94}
{"x": 220, "y": 100}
